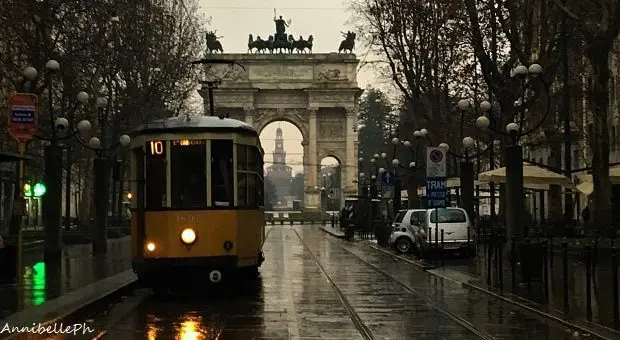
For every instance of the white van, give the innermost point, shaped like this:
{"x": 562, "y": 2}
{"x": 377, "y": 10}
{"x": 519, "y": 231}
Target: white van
{"x": 411, "y": 228}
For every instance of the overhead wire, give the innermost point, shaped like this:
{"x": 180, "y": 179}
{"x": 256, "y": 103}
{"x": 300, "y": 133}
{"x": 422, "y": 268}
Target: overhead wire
{"x": 278, "y": 8}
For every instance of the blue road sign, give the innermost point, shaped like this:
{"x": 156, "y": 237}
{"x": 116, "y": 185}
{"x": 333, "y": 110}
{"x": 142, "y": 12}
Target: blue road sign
{"x": 388, "y": 178}
{"x": 436, "y": 192}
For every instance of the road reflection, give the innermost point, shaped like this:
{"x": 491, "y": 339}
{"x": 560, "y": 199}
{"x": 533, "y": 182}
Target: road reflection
{"x": 197, "y": 312}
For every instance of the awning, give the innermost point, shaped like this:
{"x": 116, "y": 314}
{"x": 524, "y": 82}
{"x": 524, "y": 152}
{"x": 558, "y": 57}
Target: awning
{"x": 586, "y": 185}
{"x": 532, "y": 175}
{"x": 586, "y": 188}
{"x": 455, "y": 182}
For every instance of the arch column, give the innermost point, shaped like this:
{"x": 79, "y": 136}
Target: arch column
{"x": 249, "y": 115}
{"x": 349, "y": 168}
{"x": 312, "y": 197}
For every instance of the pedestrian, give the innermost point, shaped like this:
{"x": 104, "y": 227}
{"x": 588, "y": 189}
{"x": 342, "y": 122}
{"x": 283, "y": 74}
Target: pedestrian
{"x": 585, "y": 214}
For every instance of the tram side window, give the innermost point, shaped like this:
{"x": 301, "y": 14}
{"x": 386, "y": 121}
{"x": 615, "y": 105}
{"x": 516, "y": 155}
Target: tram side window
{"x": 242, "y": 175}
{"x": 249, "y": 184}
{"x": 189, "y": 174}
{"x": 260, "y": 182}
{"x": 155, "y": 175}
{"x": 222, "y": 173}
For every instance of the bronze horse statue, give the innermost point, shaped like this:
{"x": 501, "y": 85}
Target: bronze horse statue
{"x": 260, "y": 45}
{"x": 348, "y": 44}
{"x": 301, "y": 45}
{"x": 213, "y": 45}
{"x": 290, "y": 44}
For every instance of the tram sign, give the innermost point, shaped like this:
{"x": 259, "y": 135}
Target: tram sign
{"x": 436, "y": 192}
{"x": 22, "y": 122}
{"x": 435, "y": 162}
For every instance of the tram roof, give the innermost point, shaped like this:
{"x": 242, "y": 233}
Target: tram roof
{"x": 194, "y": 124}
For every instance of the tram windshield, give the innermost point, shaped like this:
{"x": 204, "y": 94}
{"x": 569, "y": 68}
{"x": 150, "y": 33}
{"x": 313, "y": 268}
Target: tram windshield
{"x": 188, "y": 174}
{"x": 222, "y": 173}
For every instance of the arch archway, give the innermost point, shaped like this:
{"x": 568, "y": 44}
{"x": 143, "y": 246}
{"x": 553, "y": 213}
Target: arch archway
{"x": 330, "y": 181}
{"x": 297, "y": 122}
{"x": 284, "y": 165}
{"x": 316, "y": 92}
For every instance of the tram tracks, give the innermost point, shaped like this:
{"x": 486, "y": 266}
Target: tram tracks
{"x": 363, "y": 329}
{"x": 430, "y": 302}
{"x": 355, "y": 317}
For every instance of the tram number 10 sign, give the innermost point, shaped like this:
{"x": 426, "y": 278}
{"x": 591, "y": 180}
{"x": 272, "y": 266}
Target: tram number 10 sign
{"x": 156, "y": 147}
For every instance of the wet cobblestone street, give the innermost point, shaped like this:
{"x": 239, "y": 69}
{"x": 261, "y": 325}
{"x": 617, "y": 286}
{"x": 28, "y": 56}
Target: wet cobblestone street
{"x": 314, "y": 286}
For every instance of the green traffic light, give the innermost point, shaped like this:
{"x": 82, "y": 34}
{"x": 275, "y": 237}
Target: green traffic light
{"x": 39, "y": 189}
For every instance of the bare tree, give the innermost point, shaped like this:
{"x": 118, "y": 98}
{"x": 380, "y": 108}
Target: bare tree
{"x": 428, "y": 62}
{"x": 135, "y": 54}
{"x": 599, "y": 26}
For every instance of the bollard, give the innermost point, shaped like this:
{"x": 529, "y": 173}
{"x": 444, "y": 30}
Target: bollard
{"x": 281, "y": 222}
{"x": 551, "y": 253}
{"x": 490, "y": 261}
{"x": 614, "y": 285}
{"x": 588, "y": 260}
{"x": 500, "y": 269}
{"x": 565, "y": 275}
{"x": 442, "y": 252}
{"x": 545, "y": 271}
{"x": 595, "y": 255}
{"x": 437, "y": 235}
{"x": 513, "y": 263}
{"x": 430, "y": 236}
{"x": 526, "y": 264}
{"x": 468, "y": 237}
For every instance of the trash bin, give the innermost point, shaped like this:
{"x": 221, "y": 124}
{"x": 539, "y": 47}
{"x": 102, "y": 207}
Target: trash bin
{"x": 382, "y": 232}
{"x": 532, "y": 261}
{"x": 8, "y": 263}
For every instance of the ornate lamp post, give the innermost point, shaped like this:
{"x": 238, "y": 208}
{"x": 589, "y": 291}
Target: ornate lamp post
{"x": 100, "y": 163}
{"x": 514, "y": 152}
{"x": 414, "y": 148}
{"x": 466, "y": 167}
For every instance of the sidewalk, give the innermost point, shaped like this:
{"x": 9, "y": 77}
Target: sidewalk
{"x": 532, "y": 296}
{"x": 77, "y": 268}
{"x": 335, "y": 231}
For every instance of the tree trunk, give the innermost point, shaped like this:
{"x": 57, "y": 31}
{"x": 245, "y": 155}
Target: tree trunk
{"x": 507, "y": 112}
{"x": 601, "y": 212}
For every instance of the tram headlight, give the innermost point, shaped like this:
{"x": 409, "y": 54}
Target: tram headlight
{"x": 188, "y": 236}
{"x": 150, "y": 246}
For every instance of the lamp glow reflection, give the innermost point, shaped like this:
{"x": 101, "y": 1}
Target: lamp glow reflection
{"x": 191, "y": 330}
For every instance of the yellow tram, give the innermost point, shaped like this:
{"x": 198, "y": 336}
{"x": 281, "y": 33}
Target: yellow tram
{"x": 198, "y": 203}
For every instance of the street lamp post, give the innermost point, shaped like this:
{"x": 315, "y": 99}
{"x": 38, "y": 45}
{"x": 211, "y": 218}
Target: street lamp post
{"x": 466, "y": 167}
{"x": 515, "y": 207}
{"x": 52, "y": 175}
{"x": 100, "y": 164}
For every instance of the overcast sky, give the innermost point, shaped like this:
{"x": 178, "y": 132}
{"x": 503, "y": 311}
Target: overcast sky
{"x": 234, "y": 20}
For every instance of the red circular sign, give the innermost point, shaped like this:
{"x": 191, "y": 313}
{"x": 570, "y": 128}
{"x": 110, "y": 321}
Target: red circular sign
{"x": 436, "y": 156}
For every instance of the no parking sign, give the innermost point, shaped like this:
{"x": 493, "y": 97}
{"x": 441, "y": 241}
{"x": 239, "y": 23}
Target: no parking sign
{"x": 435, "y": 162}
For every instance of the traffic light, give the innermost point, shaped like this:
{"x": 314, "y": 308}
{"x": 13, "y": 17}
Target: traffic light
{"x": 39, "y": 189}
{"x": 27, "y": 190}
{"x": 36, "y": 190}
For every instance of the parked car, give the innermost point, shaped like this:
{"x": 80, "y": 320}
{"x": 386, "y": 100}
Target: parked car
{"x": 405, "y": 225}
{"x": 411, "y": 229}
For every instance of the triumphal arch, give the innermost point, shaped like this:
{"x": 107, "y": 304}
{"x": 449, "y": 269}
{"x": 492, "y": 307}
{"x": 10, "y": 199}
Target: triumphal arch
{"x": 318, "y": 93}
